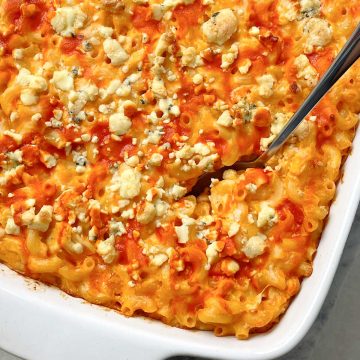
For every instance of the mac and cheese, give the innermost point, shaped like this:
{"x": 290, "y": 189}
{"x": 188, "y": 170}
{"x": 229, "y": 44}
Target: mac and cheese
{"x": 110, "y": 110}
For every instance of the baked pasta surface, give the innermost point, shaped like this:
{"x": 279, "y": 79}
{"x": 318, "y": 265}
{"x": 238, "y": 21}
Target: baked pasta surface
{"x": 110, "y": 110}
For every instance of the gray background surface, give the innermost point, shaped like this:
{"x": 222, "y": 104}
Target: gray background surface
{"x": 336, "y": 332}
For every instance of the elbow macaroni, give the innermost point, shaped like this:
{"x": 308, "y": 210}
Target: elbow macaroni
{"x": 110, "y": 111}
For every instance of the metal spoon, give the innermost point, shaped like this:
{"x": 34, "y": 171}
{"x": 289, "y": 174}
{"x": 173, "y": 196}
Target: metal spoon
{"x": 347, "y": 56}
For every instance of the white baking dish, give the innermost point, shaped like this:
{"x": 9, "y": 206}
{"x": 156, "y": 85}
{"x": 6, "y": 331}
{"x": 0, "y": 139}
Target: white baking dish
{"x": 41, "y": 323}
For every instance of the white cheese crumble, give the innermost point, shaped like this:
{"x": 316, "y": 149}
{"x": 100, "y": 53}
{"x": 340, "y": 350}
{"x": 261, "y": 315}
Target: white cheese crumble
{"x": 212, "y": 252}
{"x": 119, "y": 124}
{"x": 63, "y": 80}
{"x": 159, "y": 259}
{"x": 287, "y": 11}
{"x": 132, "y": 161}
{"x": 161, "y": 207}
{"x": 42, "y": 219}
{"x": 106, "y": 249}
{"x": 14, "y": 116}
{"x": 280, "y": 119}
{"x": 220, "y": 27}
{"x": 156, "y": 159}
{"x": 197, "y": 79}
{"x": 15, "y": 156}
{"x": 48, "y": 160}
{"x": 306, "y": 71}
{"x": 266, "y": 83}
{"x": 163, "y": 43}
{"x": 173, "y": 3}
{"x": 225, "y": 119}
{"x": 310, "y": 8}
{"x": 80, "y": 161}
{"x": 230, "y": 267}
{"x": 116, "y": 228}
{"x": 183, "y": 231}
{"x": 105, "y": 31}
{"x": 177, "y": 191}
{"x": 32, "y": 86}
{"x": 254, "y": 246}
{"x": 167, "y": 106}
{"x": 159, "y": 10}
{"x": 128, "y": 214}
{"x": 147, "y": 214}
{"x": 115, "y": 52}
{"x": 318, "y": 34}
{"x": 153, "y": 136}
{"x": 254, "y": 31}
{"x": 245, "y": 66}
{"x": 267, "y": 215}
{"x": 201, "y": 149}
{"x": 67, "y": 20}
{"x": 190, "y": 58}
{"x": 233, "y": 229}
{"x": 229, "y": 58}
{"x": 36, "y": 117}
{"x": 158, "y": 87}
{"x": 127, "y": 182}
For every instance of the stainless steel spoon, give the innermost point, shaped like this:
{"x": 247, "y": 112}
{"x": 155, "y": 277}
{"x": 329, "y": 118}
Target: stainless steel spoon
{"x": 347, "y": 56}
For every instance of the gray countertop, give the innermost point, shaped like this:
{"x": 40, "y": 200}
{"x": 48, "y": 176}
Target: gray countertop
{"x": 336, "y": 332}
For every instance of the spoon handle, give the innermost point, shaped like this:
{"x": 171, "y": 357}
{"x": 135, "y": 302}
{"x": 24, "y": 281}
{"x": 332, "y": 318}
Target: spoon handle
{"x": 347, "y": 56}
